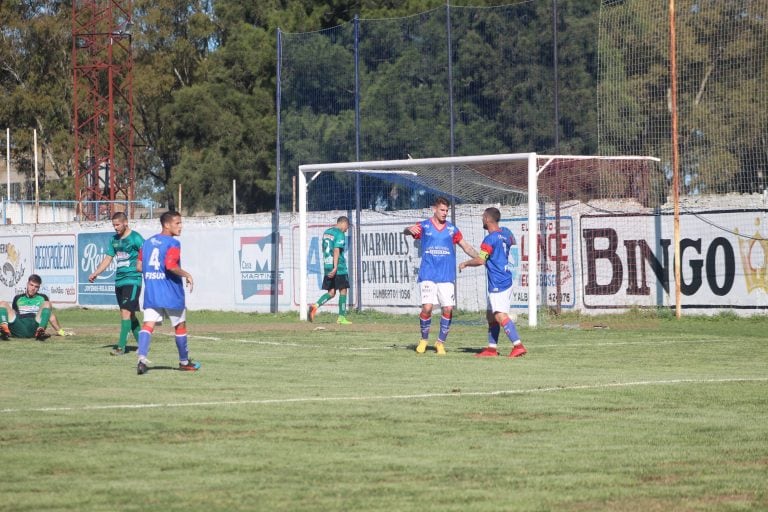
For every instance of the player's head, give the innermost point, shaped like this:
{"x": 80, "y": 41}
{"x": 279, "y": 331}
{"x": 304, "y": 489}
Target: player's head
{"x": 33, "y": 284}
{"x": 441, "y": 207}
{"x": 171, "y": 222}
{"x": 120, "y": 222}
{"x": 343, "y": 223}
{"x": 491, "y": 217}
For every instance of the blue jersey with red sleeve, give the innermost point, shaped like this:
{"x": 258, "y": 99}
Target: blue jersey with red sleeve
{"x": 162, "y": 288}
{"x": 438, "y": 251}
{"x": 495, "y": 250}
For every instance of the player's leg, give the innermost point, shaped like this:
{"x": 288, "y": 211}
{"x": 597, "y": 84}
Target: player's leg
{"x": 178, "y": 319}
{"x": 128, "y": 300}
{"x": 330, "y": 291}
{"x": 135, "y": 324}
{"x": 493, "y": 333}
{"x": 7, "y": 316}
{"x": 446, "y": 294}
{"x": 43, "y": 317}
{"x": 501, "y": 309}
{"x": 151, "y": 317}
{"x": 428, "y": 291}
{"x": 342, "y": 284}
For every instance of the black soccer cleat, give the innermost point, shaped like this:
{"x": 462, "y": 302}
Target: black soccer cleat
{"x": 141, "y": 368}
{"x": 41, "y": 335}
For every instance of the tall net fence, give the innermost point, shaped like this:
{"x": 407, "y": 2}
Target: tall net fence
{"x": 722, "y": 102}
{"x": 450, "y": 81}
{"x": 481, "y": 80}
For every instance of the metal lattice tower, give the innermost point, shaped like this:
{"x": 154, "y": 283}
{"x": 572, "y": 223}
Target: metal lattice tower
{"x": 102, "y": 105}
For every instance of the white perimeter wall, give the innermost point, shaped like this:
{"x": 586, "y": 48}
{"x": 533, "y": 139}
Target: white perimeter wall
{"x": 609, "y": 263}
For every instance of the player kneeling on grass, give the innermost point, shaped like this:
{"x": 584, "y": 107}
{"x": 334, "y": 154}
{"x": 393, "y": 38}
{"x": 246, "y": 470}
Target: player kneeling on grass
{"x": 160, "y": 264}
{"x": 29, "y": 314}
{"x": 494, "y": 254}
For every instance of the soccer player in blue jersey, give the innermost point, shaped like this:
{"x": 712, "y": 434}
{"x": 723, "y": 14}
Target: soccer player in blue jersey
{"x": 494, "y": 254}
{"x": 160, "y": 264}
{"x": 437, "y": 273}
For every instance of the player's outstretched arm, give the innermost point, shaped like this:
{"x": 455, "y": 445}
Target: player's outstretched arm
{"x": 468, "y": 249}
{"x": 474, "y": 262}
{"x": 105, "y": 261}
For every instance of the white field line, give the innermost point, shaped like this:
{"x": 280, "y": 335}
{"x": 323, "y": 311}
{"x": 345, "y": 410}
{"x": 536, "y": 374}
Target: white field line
{"x": 421, "y": 396}
{"x": 479, "y": 346}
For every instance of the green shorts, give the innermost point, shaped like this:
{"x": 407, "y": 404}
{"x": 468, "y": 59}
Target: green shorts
{"x": 24, "y": 327}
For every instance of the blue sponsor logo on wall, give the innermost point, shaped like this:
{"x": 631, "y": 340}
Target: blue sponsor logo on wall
{"x": 91, "y": 248}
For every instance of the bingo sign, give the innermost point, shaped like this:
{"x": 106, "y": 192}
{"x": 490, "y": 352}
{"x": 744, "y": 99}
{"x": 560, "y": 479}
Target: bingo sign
{"x": 91, "y": 249}
{"x": 548, "y": 242}
{"x": 253, "y": 253}
{"x": 54, "y": 262}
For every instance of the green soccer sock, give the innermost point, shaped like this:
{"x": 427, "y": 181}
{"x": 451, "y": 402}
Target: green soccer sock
{"x": 135, "y": 328}
{"x": 323, "y": 299}
{"x": 125, "y": 328}
{"x": 342, "y": 305}
{"x": 45, "y": 315}
{"x": 3, "y": 316}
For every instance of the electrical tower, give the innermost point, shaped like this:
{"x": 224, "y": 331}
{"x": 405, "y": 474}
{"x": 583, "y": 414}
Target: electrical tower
{"x": 102, "y": 107}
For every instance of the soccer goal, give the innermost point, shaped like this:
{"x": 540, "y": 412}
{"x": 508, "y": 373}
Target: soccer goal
{"x": 536, "y": 194}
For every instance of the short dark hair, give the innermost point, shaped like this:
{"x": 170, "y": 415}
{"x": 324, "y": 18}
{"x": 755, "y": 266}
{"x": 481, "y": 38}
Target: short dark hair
{"x": 442, "y": 200}
{"x": 119, "y": 215}
{"x": 167, "y": 216}
{"x": 34, "y": 278}
{"x": 493, "y": 213}
{"x": 343, "y": 218}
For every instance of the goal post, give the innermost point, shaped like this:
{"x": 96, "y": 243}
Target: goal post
{"x": 391, "y": 168}
{"x": 534, "y": 192}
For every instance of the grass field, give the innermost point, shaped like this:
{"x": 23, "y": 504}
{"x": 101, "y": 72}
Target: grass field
{"x": 629, "y": 413}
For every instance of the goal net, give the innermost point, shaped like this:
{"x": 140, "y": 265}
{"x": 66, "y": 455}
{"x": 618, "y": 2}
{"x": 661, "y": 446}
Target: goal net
{"x": 540, "y": 197}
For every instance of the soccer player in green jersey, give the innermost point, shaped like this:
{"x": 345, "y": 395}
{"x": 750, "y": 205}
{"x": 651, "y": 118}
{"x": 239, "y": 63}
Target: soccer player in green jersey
{"x": 28, "y": 315}
{"x": 124, "y": 250}
{"x": 336, "y": 275}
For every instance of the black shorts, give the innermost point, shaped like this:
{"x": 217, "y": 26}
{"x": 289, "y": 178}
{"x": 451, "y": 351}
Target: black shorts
{"x": 128, "y": 296}
{"x": 337, "y": 282}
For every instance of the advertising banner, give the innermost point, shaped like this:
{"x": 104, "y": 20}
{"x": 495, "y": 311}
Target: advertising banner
{"x": 55, "y": 260}
{"x": 91, "y": 248}
{"x": 549, "y": 261}
{"x": 389, "y": 266}
{"x": 255, "y": 276}
{"x": 627, "y": 260}
{"x": 16, "y": 264}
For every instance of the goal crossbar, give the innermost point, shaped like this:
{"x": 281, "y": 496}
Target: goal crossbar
{"x": 480, "y": 179}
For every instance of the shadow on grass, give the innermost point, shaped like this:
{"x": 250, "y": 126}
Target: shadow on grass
{"x": 128, "y": 348}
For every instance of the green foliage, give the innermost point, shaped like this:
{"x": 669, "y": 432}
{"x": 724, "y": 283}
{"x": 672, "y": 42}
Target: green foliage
{"x": 35, "y": 86}
{"x": 223, "y": 51}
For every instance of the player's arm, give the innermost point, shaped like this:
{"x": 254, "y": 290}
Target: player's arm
{"x": 414, "y": 231}
{"x": 101, "y": 268}
{"x": 468, "y": 249}
{"x": 172, "y": 259}
{"x": 480, "y": 259}
{"x": 138, "y": 261}
{"x": 336, "y": 254}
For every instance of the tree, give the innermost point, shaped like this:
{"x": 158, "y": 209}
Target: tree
{"x": 36, "y": 87}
